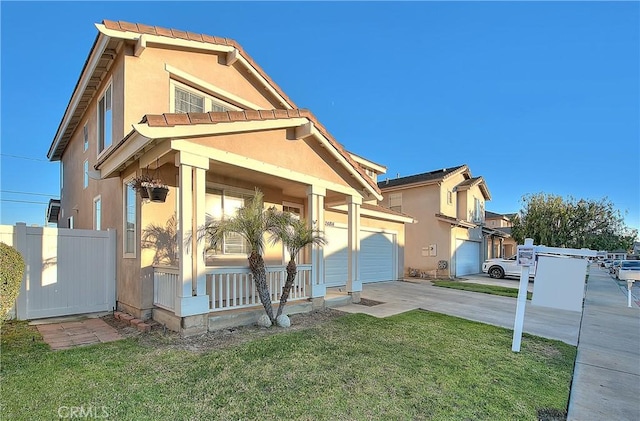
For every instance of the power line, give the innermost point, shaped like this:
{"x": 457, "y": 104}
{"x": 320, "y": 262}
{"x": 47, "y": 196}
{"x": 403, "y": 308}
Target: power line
{"x": 23, "y": 157}
{"x": 31, "y": 194}
{"x": 23, "y": 201}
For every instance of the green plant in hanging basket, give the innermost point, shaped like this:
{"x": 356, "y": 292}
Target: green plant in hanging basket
{"x": 157, "y": 190}
{"x": 138, "y": 184}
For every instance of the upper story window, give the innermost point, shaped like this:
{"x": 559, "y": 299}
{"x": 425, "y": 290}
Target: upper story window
{"x": 395, "y": 202}
{"x": 478, "y": 210}
{"x": 189, "y": 100}
{"x": 449, "y": 197}
{"x": 85, "y": 134}
{"x": 105, "y": 118}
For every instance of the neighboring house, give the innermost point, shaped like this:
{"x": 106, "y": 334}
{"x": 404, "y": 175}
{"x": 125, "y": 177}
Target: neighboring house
{"x": 449, "y": 238}
{"x": 617, "y": 255}
{"x": 636, "y": 248}
{"x": 197, "y": 112}
{"x": 504, "y": 246}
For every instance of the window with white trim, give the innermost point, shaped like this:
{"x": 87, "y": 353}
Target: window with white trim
{"x": 85, "y": 176}
{"x": 105, "y": 120}
{"x": 395, "y": 202}
{"x": 478, "y": 210}
{"x": 85, "y": 134}
{"x": 220, "y": 204}
{"x": 129, "y": 229}
{"x": 97, "y": 213}
{"x": 185, "y": 99}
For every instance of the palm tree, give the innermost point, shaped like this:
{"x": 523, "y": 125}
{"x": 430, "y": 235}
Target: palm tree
{"x": 295, "y": 233}
{"x": 251, "y": 222}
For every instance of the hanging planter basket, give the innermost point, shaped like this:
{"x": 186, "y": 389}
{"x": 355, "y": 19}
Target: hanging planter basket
{"x": 157, "y": 194}
{"x": 138, "y": 184}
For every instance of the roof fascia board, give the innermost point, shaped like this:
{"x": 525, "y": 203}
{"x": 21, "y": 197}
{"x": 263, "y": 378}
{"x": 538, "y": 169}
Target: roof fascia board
{"x": 410, "y": 185}
{"x": 182, "y": 131}
{"x": 260, "y": 166}
{"x": 133, "y": 145}
{"x": 363, "y": 161}
{"x": 94, "y": 58}
{"x": 209, "y": 88}
{"x": 264, "y": 82}
{"x": 342, "y": 160}
{"x": 182, "y": 43}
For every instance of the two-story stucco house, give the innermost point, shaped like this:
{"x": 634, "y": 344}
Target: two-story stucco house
{"x": 449, "y": 238}
{"x": 197, "y": 112}
{"x": 505, "y": 246}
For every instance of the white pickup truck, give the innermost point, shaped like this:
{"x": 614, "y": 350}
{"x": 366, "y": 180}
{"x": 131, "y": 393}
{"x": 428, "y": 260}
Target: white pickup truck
{"x": 499, "y": 268}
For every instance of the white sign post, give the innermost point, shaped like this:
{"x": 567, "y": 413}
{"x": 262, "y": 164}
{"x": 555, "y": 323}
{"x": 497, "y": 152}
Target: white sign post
{"x": 525, "y": 258}
{"x": 629, "y": 286}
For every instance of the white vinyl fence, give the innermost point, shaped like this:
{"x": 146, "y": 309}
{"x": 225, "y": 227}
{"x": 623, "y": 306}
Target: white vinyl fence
{"x": 68, "y": 271}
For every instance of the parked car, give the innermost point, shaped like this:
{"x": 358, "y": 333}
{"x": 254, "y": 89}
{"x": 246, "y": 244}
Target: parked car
{"x": 614, "y": 265}
{"x": 499, "y": 268}
{"x": 606, "y": 263}
{"x": 629, "y": 269}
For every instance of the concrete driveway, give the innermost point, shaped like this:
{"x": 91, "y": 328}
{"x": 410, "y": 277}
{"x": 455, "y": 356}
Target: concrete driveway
{"x": 401, "y": 296}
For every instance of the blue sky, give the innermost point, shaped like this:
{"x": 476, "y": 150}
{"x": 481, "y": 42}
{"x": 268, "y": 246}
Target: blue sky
{"x": 535, "y": 97}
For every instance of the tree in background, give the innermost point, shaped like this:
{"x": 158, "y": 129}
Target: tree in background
{"x": 554, "y": 221}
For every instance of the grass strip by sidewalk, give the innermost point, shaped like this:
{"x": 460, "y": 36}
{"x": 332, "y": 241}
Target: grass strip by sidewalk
{"x": 417, "y": 365}
{"x": 485, "y": 289}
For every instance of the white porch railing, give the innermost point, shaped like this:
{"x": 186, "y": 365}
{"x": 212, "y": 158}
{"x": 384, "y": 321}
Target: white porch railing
{"x": 165, "y": 281}
{"x": 231, "y": 287}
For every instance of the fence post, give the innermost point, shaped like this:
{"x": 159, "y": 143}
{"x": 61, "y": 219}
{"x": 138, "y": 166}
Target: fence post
{"x": 111, "y": 268}
{"x": 20, "y": 244}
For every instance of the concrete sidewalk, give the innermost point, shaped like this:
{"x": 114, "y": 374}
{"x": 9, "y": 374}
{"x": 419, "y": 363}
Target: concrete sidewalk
{"x": 606, "y": 378}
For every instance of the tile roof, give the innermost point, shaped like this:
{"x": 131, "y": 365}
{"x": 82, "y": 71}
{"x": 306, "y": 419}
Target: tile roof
{"x": 191, "y": 36}
{"x": 184, "y": 119}
{"x": 420, "y": 178}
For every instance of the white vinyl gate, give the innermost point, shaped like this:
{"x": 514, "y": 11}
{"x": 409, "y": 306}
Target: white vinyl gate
{"x": 67, "y": 272}
{"x": 467, "y": 257}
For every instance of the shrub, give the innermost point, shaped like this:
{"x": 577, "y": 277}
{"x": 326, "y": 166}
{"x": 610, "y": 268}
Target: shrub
{"x": 11, "y": 271}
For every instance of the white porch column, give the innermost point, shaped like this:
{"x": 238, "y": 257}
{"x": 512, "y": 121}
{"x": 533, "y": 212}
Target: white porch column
{"x": 191, "y": 298}
{"x": 315, "y": 215}
{"x": 354, "y": 284}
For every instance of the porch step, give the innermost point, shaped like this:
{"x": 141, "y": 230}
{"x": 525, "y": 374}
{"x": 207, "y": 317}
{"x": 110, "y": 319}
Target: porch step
{"x": 335, "y": 301}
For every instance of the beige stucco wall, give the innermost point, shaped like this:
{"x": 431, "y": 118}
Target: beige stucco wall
{"x": 273, "y": 147}
{"x": 148, "y": 83}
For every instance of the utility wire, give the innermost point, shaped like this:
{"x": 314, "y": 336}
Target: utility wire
{"x": 23, "y": 157}
{"x": 23, "y": 201}
{"x": 31, "y": 194}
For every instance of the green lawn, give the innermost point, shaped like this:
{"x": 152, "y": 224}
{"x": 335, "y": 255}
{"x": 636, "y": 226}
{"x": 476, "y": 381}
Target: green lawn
{"x": 418, "y": 365}
{"x": 485, "y": 289}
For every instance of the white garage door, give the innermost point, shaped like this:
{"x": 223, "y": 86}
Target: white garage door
{"x": 377, "y": 256}
{"x": 467, "y": 257}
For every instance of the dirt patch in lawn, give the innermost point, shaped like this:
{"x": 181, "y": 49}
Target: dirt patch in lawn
{"x": 369, "y": 303}
{"x": 219, "y": 339}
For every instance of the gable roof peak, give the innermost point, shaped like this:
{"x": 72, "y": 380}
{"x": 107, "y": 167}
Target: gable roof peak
{"x": 431, "y": 176}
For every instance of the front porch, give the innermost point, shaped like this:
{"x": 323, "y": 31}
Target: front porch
{"x": 233, "y": 299}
